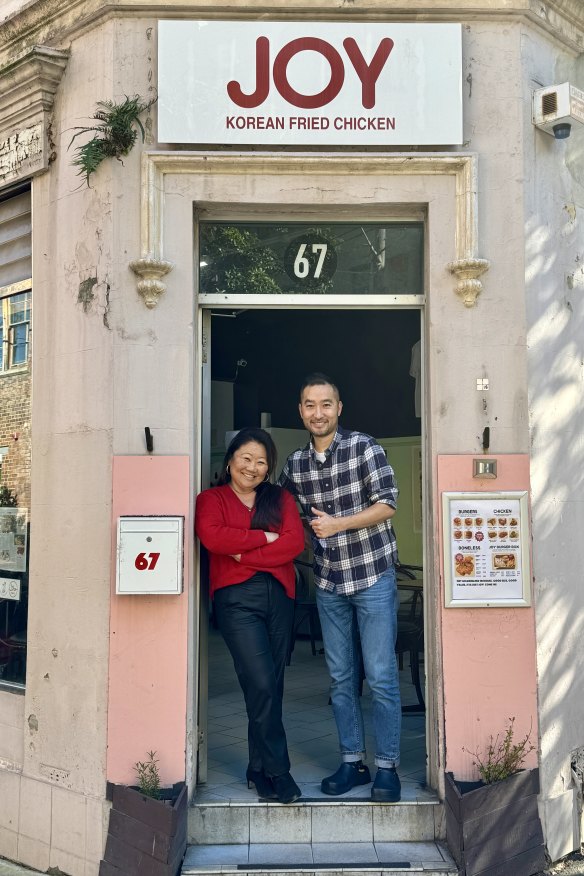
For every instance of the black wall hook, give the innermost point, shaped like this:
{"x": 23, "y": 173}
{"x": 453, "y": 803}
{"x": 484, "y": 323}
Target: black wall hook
{"x": 149, "y": 439}
{"x": 486, "y": 438}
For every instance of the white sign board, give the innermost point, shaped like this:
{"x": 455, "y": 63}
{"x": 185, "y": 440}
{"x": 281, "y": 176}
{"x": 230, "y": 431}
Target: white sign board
{"x": 150, "y": 555}
{"x": 10, "y": 589}
{"x": 486, "y": 549}
{"x": 309, "y": 83}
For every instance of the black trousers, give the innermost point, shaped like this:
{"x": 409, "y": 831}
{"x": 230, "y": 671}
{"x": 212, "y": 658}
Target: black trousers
{"x": 255, "y": 619}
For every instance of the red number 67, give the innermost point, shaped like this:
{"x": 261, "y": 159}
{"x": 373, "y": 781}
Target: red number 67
{"x": 142, "y": 563}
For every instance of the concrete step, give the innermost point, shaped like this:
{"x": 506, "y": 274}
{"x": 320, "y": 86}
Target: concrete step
{"x": 328, "y": 859}
{"x": 317, "y": 821}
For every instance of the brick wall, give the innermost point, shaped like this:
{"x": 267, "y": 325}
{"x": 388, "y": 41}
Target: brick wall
{"x": 15, "y": 410}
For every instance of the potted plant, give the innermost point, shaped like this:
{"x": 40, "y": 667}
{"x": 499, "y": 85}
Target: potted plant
{"x": 492, "y": 825}
{"x": 147, "y": 832}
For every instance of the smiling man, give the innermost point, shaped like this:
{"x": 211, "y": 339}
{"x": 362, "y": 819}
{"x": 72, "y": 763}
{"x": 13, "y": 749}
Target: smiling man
{"x": 348, "y": 494}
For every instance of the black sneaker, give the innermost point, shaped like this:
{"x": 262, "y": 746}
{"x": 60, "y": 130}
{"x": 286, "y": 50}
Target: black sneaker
{"x": 387, "y": 786}
{"x": 348, "y": 776}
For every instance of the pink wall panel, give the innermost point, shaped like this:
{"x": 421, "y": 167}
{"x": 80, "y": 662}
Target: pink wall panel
{"x": 148, "y": 634}
{"x": 489, "y": 657}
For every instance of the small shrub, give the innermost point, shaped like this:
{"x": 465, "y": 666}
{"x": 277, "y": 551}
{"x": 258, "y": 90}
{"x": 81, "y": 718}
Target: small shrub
{"x": 503, "y": 756}
{"x": 7, "y": 498}
{"x": 148, "y": 776}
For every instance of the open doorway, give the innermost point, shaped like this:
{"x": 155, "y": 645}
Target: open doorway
{"x": 258, "y": 360}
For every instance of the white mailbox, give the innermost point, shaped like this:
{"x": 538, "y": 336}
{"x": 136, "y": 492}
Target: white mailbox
{"x": 150, "y": 555}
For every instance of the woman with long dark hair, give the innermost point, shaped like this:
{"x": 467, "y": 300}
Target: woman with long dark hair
{"x": 252, "y": 531}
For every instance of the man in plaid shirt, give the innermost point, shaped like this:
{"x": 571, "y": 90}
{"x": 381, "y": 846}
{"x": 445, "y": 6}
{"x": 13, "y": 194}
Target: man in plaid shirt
{"x": 348, "y": 494}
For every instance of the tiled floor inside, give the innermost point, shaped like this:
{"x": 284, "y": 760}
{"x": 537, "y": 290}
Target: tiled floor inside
{"x": 310, "y": 729}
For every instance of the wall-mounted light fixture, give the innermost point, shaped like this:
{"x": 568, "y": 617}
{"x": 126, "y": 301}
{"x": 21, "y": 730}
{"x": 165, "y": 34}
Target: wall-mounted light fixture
{"x": 484, "y": 468}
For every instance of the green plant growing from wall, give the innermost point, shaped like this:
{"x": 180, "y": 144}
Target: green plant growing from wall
{"x": 114, "y": 136}
{"x": 148, "y": 776}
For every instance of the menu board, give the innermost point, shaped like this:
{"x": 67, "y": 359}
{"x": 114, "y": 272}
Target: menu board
{"x": 12, "y": 539}
{"x": 486, "y": 549}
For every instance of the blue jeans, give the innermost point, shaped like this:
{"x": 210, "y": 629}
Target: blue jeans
{"x": 376, "y": 615}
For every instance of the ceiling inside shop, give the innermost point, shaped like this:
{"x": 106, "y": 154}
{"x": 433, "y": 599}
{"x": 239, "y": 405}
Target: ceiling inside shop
{"x": 366, "y": 352}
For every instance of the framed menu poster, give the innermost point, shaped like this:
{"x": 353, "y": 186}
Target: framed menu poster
{"x": 486, "y": 549}
{"x": 13, "y": 539}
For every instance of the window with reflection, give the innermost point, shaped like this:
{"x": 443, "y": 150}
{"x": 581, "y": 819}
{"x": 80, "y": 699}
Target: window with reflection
{"x": 307, "y": 258}
{"x": 14, "y": 330}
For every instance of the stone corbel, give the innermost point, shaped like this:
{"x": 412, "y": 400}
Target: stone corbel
{"x": 467, "y": 272}
{"x": 151, "y": 267}
{"x": 150, "y": 272}
{"x": 467, "y": 267}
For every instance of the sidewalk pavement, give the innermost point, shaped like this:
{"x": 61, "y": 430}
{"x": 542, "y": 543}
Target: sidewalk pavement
{"x": 7, "y": 868}
{"x": 572, "y": 865}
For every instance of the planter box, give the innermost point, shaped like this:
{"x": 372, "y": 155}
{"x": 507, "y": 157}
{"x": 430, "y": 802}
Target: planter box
{"x": 145, "y": 837}
{"x": 494, "y": 830}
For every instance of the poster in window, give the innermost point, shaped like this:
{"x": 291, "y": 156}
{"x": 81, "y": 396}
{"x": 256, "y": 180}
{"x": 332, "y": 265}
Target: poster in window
{"x": 486, "y": 549}
{"x": 12, "y": 539}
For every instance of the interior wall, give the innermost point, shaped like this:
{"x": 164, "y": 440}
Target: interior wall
{"x": 367, "y": 353}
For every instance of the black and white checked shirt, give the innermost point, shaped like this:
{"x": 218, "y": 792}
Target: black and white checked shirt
{"x": 354, "y": 476}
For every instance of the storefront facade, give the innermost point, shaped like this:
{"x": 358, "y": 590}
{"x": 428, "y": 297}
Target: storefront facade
{"x": 120, "y": 343}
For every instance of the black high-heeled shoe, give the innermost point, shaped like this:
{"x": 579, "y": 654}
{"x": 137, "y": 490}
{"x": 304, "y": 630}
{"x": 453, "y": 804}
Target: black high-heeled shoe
{"x": 263, "y": 784}
{"x": 287, "y": 791}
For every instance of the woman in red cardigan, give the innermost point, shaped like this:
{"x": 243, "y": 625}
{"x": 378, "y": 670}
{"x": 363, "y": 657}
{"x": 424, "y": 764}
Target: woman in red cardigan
{"x": 252, "y": 531}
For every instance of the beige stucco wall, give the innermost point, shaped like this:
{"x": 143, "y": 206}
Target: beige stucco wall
{"x": 9, "y": 7}
{"x": 103, "y": 368}
{"x": 488, "y": 340}
{"x": 57, "y": 810}
{"x": 104, "y": 371}
{"x": 554, "y": 278}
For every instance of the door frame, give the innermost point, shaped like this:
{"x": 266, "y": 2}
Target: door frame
{"x": 203, "y": 348}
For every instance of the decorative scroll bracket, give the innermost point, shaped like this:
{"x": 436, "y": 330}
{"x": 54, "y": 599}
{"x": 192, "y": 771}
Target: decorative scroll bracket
{"x": 150, "y": 271}
{"x": 467, "y": 272}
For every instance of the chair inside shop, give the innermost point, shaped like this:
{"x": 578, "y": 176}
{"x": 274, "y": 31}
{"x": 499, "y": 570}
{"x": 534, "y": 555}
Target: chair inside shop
{"x": 410, "y": 627}
{"x": 410, "y": 622}
{"x": 410, "y": 630}
{"x": 306, "y": 620}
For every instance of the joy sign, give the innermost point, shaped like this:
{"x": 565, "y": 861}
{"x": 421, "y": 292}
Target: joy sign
{"x": 368, "y": 73}
{"x": 306, "y": 82}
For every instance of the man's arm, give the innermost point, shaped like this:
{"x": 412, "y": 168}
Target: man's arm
{"x": 285, "y": 480}
{"x": 324, "y": 525}
{"x": 378, "y": 478}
